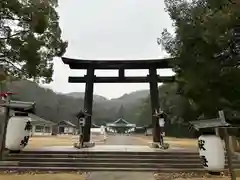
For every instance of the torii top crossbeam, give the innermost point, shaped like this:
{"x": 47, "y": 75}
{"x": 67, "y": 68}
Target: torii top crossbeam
{"x": 119, "y": 64}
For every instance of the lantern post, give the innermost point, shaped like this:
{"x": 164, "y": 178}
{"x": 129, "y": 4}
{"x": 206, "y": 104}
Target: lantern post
{"x": 6, "y": 98}
{"x": 219, "y": 122}
{"x": 19, "y": 107}
{"x": 81, "y": 116}
{"x": 159, "y": 114}
{"x": 227, "y": 146}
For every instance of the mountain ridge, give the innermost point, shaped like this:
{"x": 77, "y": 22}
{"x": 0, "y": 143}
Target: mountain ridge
{"x": 138, "y": 94}
{"x": 55, "y": 106}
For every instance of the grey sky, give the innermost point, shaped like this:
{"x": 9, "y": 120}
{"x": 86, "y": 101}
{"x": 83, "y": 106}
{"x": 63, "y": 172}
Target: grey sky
{"x": 109, "y": 29}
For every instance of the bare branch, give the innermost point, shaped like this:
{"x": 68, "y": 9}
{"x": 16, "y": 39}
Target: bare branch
{"x": 12, "y": 64}
{"x": 16, "y": 34}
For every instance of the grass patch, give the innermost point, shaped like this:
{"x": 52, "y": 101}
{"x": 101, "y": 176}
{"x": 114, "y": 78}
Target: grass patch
{"x": 38, "y": 142}
{"x": 181, "y": 142}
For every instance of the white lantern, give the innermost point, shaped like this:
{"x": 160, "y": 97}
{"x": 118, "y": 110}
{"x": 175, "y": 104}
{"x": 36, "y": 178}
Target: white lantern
{"x": 18, "y": 132}
{"x": 211, "y": 152}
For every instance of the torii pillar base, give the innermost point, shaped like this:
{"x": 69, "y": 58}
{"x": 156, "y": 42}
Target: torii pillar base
{"x": 156, "y": 145}
{"x": 85, "y": 145}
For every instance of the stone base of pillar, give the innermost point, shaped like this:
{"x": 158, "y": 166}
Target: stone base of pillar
{"x": 154, "y": 145}
{"x": 85, "y": 145}
{"x": 157, "y": 145}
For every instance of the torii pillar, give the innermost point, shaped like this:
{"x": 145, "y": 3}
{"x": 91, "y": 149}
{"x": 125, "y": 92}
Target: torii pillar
{"x": 88, "y": 103}
{"x": 153, "y": 82}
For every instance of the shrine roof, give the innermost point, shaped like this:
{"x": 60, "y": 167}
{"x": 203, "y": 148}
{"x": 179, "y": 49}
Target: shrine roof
{"x": 67, "y": 123}
{"x": 20, "y": 106}
{"x": 209, "y": 123}
{"x": 119, "y": 120}
{"x": 36, "y": 120}
{"x": 117, "y": 64}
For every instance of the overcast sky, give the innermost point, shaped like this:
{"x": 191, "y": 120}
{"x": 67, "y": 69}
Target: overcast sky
{"x": 109, "y": 29}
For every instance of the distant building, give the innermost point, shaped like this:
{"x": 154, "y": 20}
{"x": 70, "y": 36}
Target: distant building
{"x": 95, "y": 125}
{"x": 148, "y": 130}
{"x": 66, "y": 127}
{"x": 40, "y": 126}
{"x": 120, "y": 126}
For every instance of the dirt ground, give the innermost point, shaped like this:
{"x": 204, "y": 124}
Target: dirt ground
{"x": 217, "y": 178}
{"x": 40, "y": 141}
{"x": 178, "y": 142}
{"x": 68, "y": 140}
{"x": 190, "y": 176}
{"x": 191, "y": 143}
{"x": 60, "y": 140}
{"x": 58, "y": 176}
{"x": 75, "y": 176}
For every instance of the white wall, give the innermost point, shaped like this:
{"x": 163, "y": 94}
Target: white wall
{"x": 68, "y": 130}
{"x": 98, "y": 130}
{"x": 95, "y": 130}
{"x": 34, "y": 133}
{"x": 41, "y": 134}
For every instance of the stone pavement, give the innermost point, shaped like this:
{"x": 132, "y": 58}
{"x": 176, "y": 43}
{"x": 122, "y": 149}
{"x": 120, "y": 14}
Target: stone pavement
{"x": 120, "y": 176}
{"x": 129, "y": 143}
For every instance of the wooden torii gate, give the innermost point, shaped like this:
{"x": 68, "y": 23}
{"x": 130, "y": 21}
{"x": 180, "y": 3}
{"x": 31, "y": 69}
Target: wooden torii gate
{"x": 121, "y": 65}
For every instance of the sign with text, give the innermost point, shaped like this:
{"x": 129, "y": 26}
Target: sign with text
{"x": 211, "y": 153}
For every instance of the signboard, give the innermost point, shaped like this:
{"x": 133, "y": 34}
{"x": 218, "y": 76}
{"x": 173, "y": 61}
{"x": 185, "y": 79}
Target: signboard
{"x": 211, "y": 153}
{"x": 82, "y": 121}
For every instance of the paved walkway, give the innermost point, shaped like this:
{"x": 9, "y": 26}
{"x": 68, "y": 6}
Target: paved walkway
{"x": 119, "y": 142}
{"x": 115, "y": 143}
{"x": 124, "y": 140}
{"x": 120, "y": 176}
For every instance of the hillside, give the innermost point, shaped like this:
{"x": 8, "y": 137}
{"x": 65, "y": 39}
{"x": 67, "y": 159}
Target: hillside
{"x": 126, "y": 100}
{"x": 131, "y": 98}
{"x": 96, "y": 98}
{"x": 134, "y": 107}
{"x": 56, "y": 107}
{"x": 134, "y": 95}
